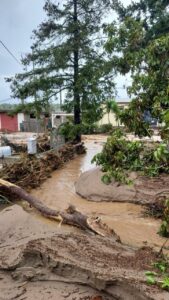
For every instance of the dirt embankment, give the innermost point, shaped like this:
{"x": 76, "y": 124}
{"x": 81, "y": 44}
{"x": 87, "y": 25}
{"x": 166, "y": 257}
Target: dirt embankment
{"x": 38, "y": 259}
{"x": 142, "y": 191}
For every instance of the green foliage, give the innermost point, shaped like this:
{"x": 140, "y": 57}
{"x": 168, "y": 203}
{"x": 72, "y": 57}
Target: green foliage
{"x": 161, "y": 277}
{"x": 165, "y": 283}
{"x": 111, "y": 106}
{"x": 68, "y": 55}
{"x": 70, "y": 131}
{"x": 161, "y": 266}
{"x": 89, "y": 128}
{"x": 150, "y": 277}
{"x": 120, "y": 156}
{"x": 142, "y": 38}
{"x": 105, "y": 128}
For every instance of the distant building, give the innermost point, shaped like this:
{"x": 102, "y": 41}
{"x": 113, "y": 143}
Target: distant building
{"x": 7, "y": 122}
{"x": 111, "y": 116}
{"x": 22, "y": 122}
{"x": 122, "y": 105}
{"x": 60, "y": 118}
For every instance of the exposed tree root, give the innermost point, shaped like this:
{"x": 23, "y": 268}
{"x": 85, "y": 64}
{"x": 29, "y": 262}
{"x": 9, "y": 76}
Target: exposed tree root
{"x": 71, "y": 216}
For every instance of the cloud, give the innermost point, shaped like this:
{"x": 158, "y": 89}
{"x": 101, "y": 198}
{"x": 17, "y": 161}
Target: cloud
{"x": 18, "y": 18}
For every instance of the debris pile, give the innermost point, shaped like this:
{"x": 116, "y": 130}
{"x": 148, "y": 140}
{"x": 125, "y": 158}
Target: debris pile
{"x": 30, "y": 171}
{"x": 43, "y": 144}
{"x": 16, "y": 147}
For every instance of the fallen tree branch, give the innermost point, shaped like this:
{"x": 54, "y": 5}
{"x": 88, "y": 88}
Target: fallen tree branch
{"x": 71, "y": 216}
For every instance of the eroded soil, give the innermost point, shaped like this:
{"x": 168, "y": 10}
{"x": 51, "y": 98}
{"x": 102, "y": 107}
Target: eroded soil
{"x": 50, "y": 263}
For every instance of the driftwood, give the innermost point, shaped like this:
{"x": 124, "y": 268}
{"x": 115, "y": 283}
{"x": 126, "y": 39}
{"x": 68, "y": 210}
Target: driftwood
{"x": 71, "y": 216}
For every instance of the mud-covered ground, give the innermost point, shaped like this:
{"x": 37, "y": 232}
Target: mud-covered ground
{"x": 40, "y": 261}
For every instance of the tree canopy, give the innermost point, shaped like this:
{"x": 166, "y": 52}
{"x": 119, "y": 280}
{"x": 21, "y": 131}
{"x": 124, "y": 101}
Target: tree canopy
{"x": 139, "y": 42}
{"x": 68, "y": 54}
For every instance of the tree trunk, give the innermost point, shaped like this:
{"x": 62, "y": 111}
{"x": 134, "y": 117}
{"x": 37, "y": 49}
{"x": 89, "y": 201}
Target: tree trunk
{"x": 77, "y": 119}
{"x": 71, "y": 216}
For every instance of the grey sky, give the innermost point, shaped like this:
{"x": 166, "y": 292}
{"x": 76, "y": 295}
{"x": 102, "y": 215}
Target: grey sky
{"x": 17, "y": 20}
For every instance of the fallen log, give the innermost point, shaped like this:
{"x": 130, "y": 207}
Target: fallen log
{"x": 70, "y": 216}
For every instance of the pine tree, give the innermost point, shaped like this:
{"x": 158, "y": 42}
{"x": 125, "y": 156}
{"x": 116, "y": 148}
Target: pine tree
{"x": 67, "y": 54}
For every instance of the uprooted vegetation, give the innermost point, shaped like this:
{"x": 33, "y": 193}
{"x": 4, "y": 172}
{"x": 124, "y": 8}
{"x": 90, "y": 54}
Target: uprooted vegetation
{"x": 30, "y": 171}
{"x": 120, "y": 157}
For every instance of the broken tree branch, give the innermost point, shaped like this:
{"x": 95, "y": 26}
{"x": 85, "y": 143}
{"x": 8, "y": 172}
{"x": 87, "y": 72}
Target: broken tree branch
{"x": 71, "y": 216}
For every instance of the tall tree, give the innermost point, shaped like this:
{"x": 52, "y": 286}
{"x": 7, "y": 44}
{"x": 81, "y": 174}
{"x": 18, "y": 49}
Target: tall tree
{"x": 67, "y": 54}
{"x": 141, "y": 39}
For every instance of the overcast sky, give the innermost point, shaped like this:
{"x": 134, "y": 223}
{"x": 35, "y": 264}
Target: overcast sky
{"x": 17, "y": 20}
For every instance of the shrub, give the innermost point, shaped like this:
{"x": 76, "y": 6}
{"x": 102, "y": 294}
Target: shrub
{"x": 70, "y": 131}
{"x": 105, "y": 128}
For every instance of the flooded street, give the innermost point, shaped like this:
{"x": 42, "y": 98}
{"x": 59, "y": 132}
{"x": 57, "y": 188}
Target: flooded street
{"x": 125, "y": 218}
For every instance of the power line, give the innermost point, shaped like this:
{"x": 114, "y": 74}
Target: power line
{"x": 14, "y": 57}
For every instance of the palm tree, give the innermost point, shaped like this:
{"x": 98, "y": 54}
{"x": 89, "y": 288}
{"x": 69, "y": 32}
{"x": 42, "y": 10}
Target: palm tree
{"x": 111, "y": 106}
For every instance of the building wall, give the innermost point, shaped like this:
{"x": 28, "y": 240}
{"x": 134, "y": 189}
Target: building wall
{"x": 111, "y": 118}
{"x": 108, "y": 119}
{"x": 8, "y": 123}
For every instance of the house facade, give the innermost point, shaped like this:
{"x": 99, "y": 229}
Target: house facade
{"x": 21, "y": 122}
{"x": 8, "y": 123}
{"x": 111, "y": 118}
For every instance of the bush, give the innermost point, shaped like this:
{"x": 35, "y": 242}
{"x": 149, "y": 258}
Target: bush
{"x": 70, "y": 131}
{"x": 106, "y": 128}
{"x": 89, "y": 128}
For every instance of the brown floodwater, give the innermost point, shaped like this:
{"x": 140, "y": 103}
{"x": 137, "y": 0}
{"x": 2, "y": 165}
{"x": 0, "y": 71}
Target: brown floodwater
{"x": 125, "y": 218}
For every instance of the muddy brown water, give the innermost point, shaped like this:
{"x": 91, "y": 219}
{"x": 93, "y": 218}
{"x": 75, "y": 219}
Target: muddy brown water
{"x": 125, "y": 218}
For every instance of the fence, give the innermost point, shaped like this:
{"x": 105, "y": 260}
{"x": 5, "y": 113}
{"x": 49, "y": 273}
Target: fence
{"x": 36, "y": 126}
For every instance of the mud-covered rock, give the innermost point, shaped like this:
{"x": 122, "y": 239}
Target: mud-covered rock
{"x": 143, "y": 190}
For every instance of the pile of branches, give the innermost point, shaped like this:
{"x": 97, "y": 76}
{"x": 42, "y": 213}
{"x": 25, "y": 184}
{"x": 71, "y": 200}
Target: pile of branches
{"x": 43, "y": 143}
{"x": 30, "y": 171}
